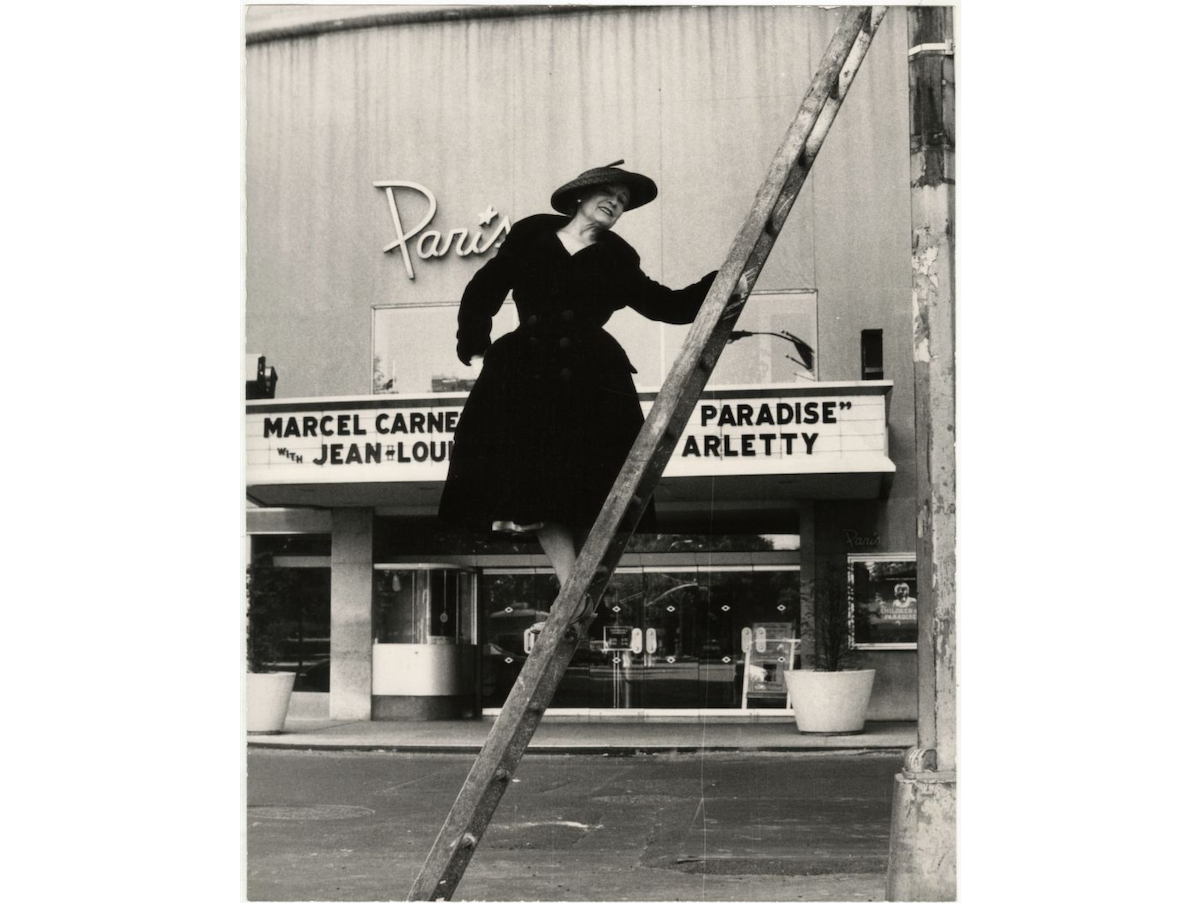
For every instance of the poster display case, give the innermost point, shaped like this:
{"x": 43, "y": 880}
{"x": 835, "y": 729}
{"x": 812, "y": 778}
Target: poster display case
{"x": 883, "y": 593}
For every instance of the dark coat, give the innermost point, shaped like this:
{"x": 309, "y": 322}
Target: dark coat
{"x": 552, "y": 417}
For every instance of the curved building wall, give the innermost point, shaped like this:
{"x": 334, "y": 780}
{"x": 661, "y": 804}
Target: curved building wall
{"x": 490, "y": 113}
{"x": 501, "y": 111}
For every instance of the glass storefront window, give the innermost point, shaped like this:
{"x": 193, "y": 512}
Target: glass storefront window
{"x": 395, "y": 536}
{"x": 399, "y": 615}
{"x": 713, "y": 542}
{"x": 763, "y": 356}
{"x": 414, "y": 349}
{"x": 510, "y": 603}
{"x": 295, "y": 617}
{"x": 428, "y": 605}
{"x": 761, "y": 350}
{"x": 413, "y": 345}
{"x": 664, "y": 637}
{"x": 284, "y": 544}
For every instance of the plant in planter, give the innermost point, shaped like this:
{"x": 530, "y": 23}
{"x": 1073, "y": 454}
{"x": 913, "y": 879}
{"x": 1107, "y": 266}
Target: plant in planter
{"x": 829, "y": 623}
{"x": 832, "y": 696}
{"x": 268, "y": 690}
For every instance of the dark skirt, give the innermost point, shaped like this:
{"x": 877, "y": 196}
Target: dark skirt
{"x": 543, "y": 439}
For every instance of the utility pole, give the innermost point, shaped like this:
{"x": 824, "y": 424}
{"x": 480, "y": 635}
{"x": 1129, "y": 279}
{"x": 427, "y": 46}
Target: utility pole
{"x": 923, "y": 854}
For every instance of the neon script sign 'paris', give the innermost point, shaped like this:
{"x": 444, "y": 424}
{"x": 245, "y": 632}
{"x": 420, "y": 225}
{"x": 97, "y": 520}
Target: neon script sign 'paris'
{"x": 432, "y": 243}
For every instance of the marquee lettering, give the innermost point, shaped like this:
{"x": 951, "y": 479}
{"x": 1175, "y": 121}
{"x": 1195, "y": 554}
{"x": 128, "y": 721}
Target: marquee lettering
{"x": 766, "y": 443}
{"x": 375, "y": 452}
{"x": 748, "y": 445}
{"x": 436, "y": 424}
{"x": 737, "y": 429}
{"x": 780, "y": 413}
{"x": 432, "y": 242}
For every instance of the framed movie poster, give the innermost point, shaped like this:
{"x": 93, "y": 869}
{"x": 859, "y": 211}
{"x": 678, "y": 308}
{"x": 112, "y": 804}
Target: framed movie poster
{"x": 883, "y": 598}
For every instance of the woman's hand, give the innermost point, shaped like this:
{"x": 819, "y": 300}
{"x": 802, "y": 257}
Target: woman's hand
{"x": 468, "y": 355}
{"x": 746, "y": 282}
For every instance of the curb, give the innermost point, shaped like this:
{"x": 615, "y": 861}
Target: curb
{"x": 615, "y": 752}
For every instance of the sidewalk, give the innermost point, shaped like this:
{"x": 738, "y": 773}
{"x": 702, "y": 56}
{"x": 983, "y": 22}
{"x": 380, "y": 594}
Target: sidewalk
{"x": 595, "y": 737}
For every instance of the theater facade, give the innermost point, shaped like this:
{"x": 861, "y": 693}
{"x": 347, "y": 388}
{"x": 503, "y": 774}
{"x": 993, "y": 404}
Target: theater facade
{"x": 388, "y": 152}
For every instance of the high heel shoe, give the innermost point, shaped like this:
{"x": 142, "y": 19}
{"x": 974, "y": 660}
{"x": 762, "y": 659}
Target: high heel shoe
{"x": 508, "y": 526}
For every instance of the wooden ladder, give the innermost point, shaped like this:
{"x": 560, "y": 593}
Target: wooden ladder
{"x": 574, "y": 609}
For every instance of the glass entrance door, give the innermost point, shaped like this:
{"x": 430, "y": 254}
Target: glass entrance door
{"x": 645, "y": 637}
{"x": 663, "y": 637}
{"x": 616, "y": 641}
{"x": 666, "y": 673}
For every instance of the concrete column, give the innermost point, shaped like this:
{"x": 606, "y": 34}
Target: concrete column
{"x": 923, "y": 853}
{"x": 922, "y": 859}
{"x": 350, "y": 617}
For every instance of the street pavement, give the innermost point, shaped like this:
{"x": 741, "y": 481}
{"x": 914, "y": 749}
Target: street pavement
{"x": 338, "y": 825}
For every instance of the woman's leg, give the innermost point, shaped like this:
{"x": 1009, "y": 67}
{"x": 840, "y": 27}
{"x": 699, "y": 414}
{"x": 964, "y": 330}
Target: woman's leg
{"x": 560, "y": 548}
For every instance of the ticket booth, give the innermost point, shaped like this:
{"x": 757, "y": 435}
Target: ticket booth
{"x": 425, "y": 653}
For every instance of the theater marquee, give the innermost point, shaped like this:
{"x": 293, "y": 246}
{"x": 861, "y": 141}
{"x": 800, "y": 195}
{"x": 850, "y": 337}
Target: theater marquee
{"x": 822, "y": 428}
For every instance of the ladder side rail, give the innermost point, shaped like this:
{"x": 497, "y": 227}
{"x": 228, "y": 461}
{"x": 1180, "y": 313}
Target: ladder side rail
{"x": 710, "y": 333}
{"x": 497, "y": 762}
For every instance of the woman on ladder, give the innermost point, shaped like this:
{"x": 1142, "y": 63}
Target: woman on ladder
{"x": 554, "y": 412}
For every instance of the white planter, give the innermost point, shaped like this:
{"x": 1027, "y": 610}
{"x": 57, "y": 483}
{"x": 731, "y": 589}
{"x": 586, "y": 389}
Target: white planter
{"x": 830, "y": 702}
{"x": 267, "y": 697}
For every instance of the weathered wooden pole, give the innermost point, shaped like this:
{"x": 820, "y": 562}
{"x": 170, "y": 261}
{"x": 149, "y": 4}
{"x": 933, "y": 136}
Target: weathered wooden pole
{"x": 923, "y": 853}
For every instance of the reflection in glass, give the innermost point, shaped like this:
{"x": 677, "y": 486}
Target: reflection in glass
{"x": 297, "y": 626}
{"x": 663, "y": 637}
{"x": 713, "y": 542}
{"x": 414, "y": 349}
{"x": 755, "y": 360}
{"x": 423, "y": 606}
{"x": 510, "y": 604}
{"x": 398, "y": 612}
{"x": 767, "y": 356}
{"x": 401, "y": 536}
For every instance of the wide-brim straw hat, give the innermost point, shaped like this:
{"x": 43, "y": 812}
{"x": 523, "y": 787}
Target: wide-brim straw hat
{"x": 642, "y": 189}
